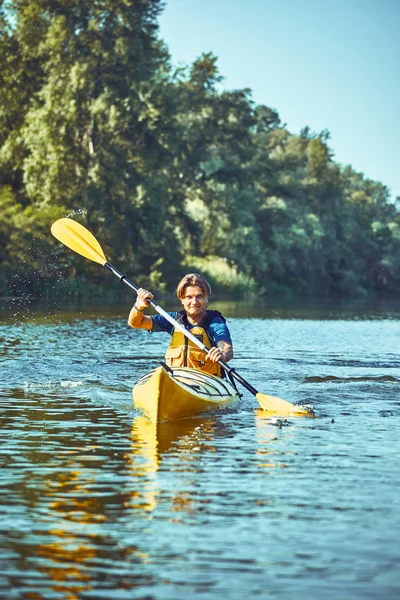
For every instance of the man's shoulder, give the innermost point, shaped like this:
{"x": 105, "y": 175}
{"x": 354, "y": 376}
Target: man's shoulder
{"x": 160, "y": 323}
{"x": 215, "y": 316}
{"x": 218, "y": 328}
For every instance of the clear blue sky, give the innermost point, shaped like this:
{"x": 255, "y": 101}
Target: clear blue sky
{"x": 328, "y": 64}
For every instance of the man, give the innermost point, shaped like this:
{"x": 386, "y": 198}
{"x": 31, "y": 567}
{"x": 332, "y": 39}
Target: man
{"x": 207, "y": 325}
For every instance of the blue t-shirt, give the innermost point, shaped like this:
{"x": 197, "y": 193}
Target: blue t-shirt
{"x": 217, "y": 329}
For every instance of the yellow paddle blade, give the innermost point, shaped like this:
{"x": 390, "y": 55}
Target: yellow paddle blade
{"x": 278, "y": 406}
{"x": 78, "y": 238}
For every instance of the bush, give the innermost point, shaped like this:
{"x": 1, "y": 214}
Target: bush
{"x": 224, "y": 278}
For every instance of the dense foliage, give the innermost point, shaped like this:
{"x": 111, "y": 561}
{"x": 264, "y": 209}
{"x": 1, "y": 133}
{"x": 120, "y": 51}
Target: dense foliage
{"x": 170, "y": 171}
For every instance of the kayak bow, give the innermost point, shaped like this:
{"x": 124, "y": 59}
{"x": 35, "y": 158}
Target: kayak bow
{"x": 165, "y": 393}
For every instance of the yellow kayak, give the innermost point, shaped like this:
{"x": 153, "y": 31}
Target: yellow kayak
{"x": 165, "y": 393}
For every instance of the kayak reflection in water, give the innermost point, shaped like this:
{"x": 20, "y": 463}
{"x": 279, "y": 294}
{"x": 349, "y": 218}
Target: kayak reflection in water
{"x": 207, "y": 325}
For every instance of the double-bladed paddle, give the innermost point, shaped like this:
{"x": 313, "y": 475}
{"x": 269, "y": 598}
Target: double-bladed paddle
{"x": 78, "y": 238}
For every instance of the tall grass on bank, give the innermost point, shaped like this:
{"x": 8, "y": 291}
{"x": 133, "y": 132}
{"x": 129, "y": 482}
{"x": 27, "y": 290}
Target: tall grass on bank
{"x": 225, "y": 279}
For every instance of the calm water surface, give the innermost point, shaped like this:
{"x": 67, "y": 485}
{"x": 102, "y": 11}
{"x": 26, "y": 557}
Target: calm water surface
{"x": 96, "y": 502}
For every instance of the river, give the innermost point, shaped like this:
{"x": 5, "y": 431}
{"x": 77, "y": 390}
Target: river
{"x": 97, "y": 502}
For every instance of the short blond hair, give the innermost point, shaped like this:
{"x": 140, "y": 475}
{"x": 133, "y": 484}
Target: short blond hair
{"x": 193, "y": 279}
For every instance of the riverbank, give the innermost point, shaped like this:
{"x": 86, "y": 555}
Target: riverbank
{"x": 25, "y": 307}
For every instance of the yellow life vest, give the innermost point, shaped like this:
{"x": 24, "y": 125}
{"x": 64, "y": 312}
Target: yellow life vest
{"x": 183, "y": 353}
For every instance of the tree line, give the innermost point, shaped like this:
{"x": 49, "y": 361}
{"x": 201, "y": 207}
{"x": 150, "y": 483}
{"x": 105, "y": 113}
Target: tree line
{"x": 169, "y": 170}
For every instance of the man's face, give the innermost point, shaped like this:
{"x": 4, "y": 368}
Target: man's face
{"x": 194, "y": 300}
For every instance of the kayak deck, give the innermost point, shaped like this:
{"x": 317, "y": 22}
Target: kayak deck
{"x": 173, "y": 393}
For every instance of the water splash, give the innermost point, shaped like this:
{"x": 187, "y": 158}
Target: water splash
{"x": 52, "y": 385}
{"x": 76, "y": 212}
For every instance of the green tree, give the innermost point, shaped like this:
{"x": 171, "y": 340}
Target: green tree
{"x": 168, "y": 167}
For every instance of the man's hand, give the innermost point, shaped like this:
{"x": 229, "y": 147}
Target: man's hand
{"x": 142, "y": 298}
{"x": 215, "y": 354}
{"x": 223, "y": 351}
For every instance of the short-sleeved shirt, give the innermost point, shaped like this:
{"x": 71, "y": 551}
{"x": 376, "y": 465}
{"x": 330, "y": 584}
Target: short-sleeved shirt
{"x": 216, "y": 329}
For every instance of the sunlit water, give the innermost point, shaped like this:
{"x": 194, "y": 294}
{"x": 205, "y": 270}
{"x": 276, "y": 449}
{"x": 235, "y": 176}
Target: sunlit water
{"x": 96, "y": 502}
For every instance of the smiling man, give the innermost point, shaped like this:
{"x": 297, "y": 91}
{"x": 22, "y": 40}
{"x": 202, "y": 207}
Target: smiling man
{"x": 207, "y": 325}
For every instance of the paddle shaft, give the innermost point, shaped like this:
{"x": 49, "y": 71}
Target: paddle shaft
{"x": 124, "y": 279}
